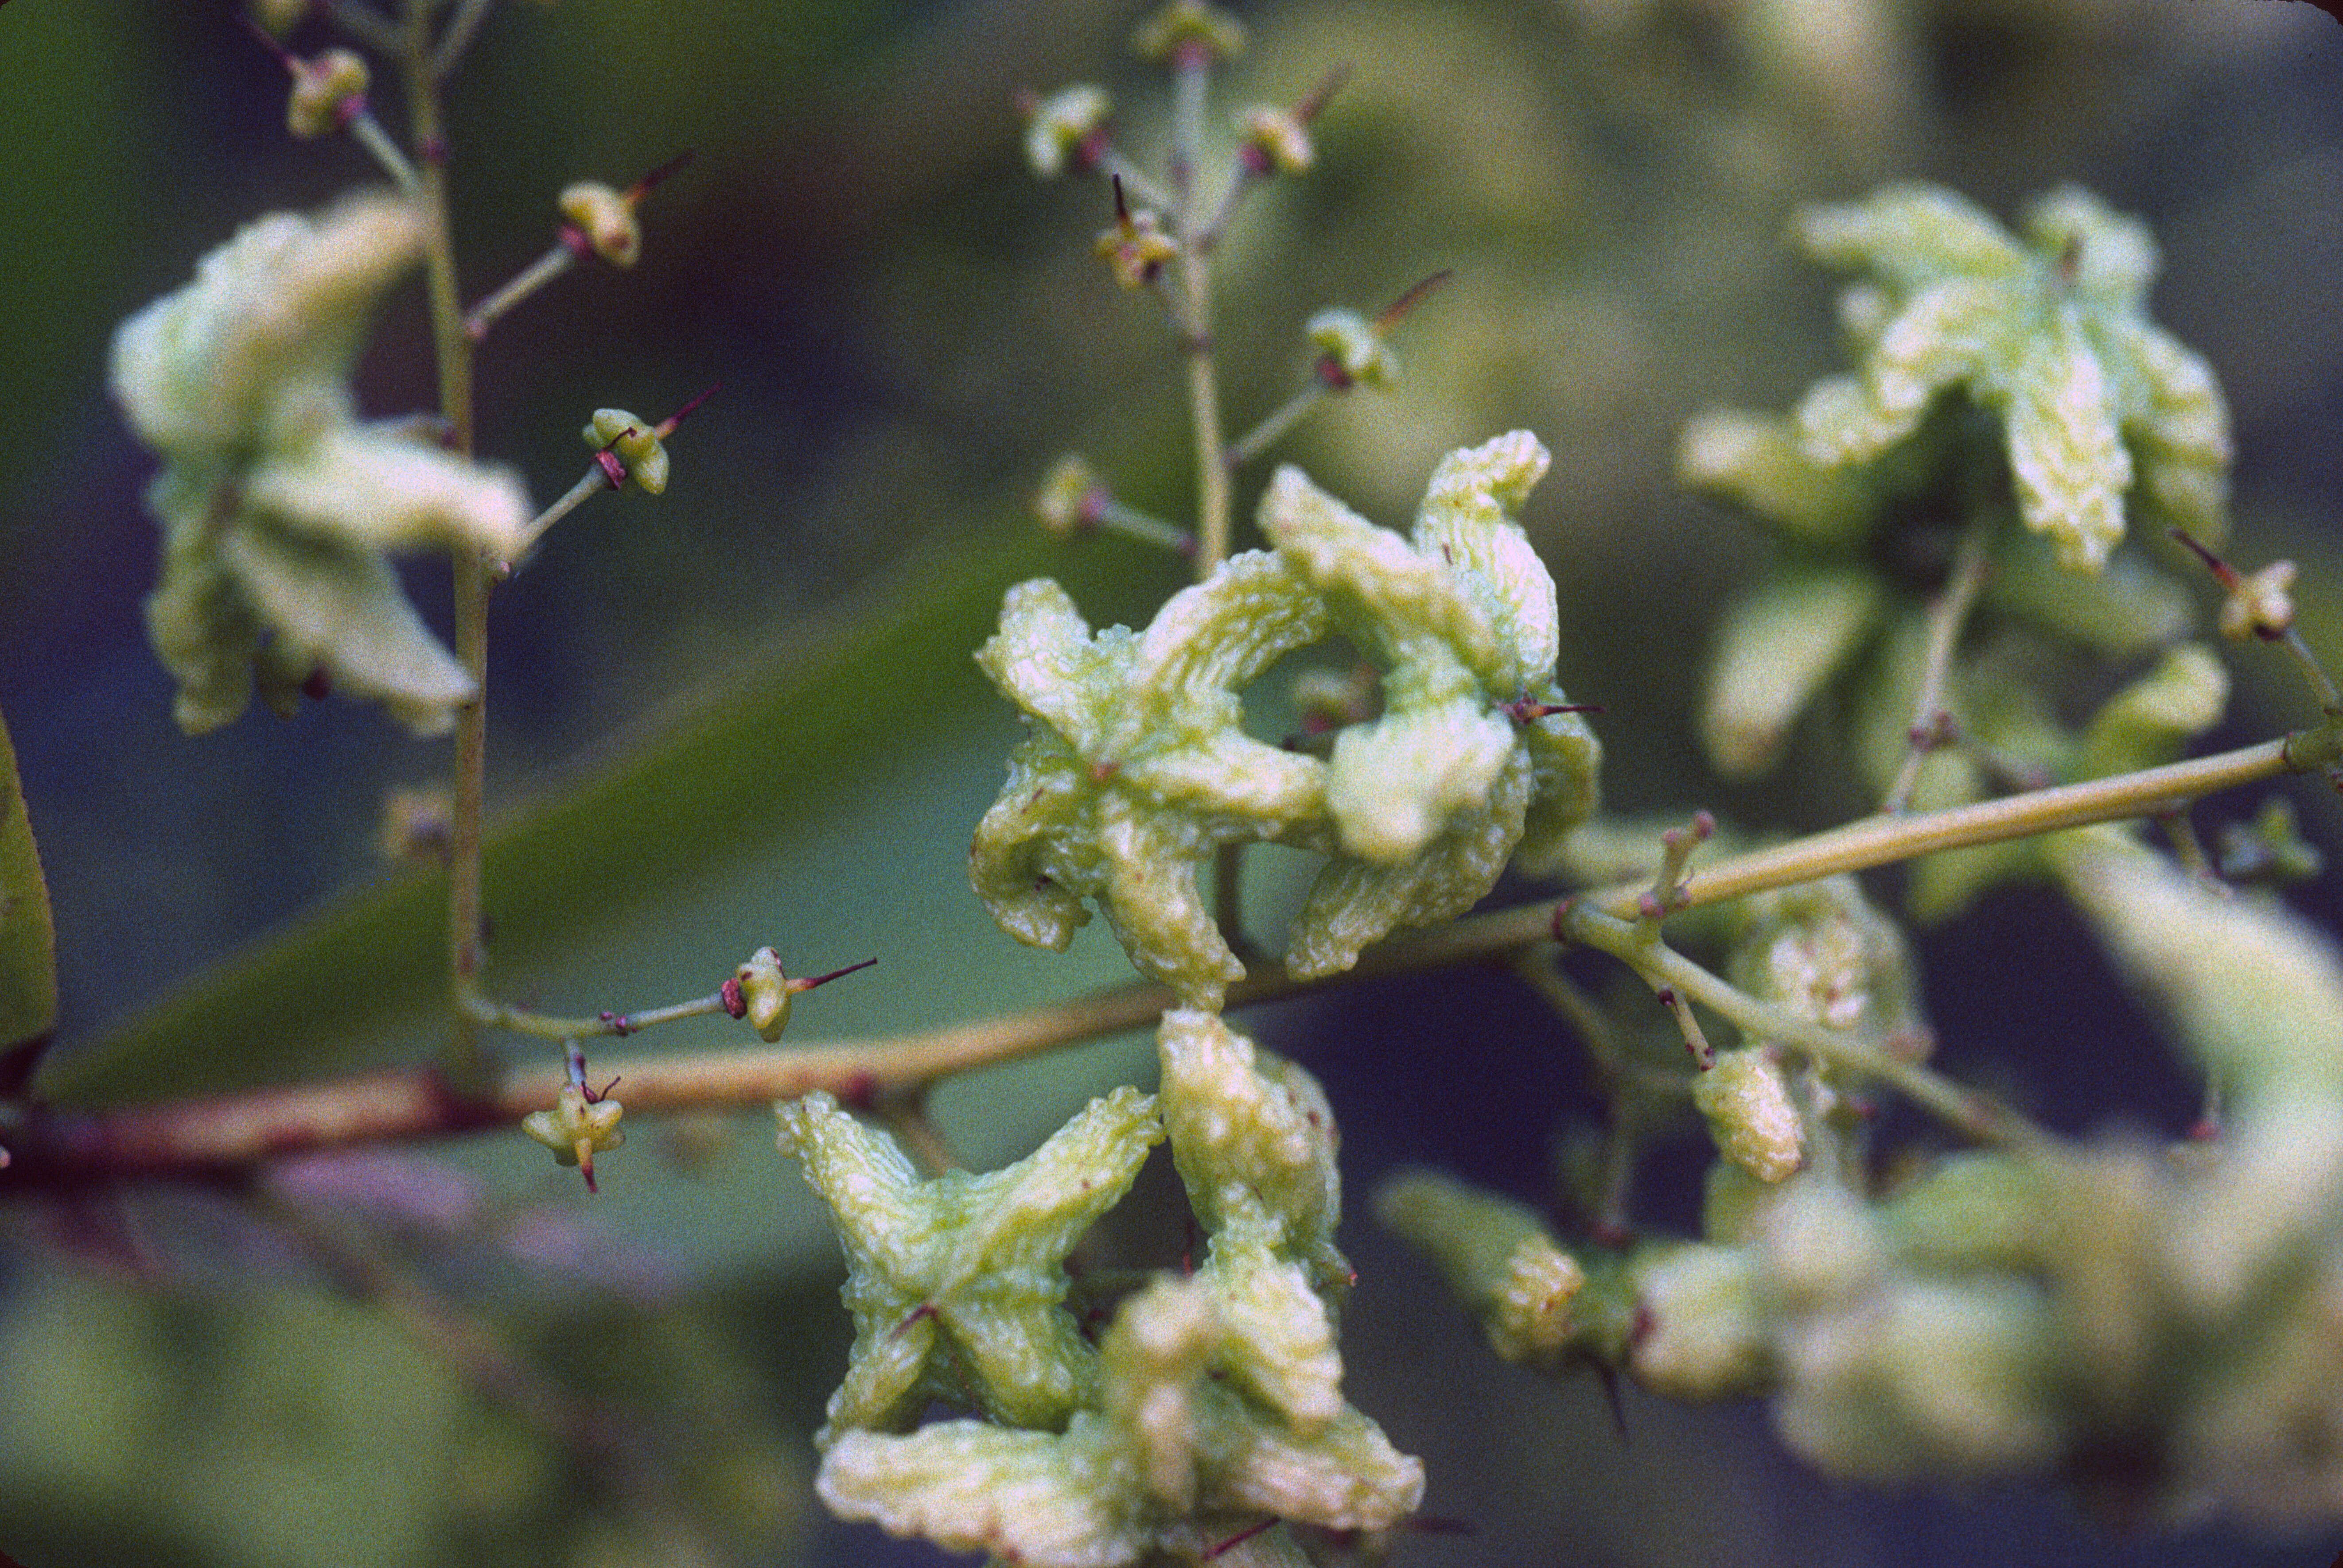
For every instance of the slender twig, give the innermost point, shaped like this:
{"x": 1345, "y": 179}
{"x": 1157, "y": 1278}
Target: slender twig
{"x": 557, "y": 259}
{"x": 1946, "y": 617}
{"x": 458, "y": 36}
{"x": 522, "y": 1021}
{"x": 1266, "y": 434}
{"x": 192, "y": 1136}
{"x": 1679, "y": 982}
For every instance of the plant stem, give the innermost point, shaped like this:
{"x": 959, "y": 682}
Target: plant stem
{"x": 557, "y": 259}
{"x": 453, "y": 347}
{"x": 1669, "y": 971}
{"x": 521, "y": 1021}
{"x": 1263, "y": 436}
{"x": 1946, "y": 619}
{"x": 194, "y": 1137}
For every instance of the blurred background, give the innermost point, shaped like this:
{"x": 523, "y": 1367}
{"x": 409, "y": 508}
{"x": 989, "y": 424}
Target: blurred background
{"x": 743, "y": 712}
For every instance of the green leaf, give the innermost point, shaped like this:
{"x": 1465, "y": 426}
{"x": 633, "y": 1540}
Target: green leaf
{"x": 28, "y": 943}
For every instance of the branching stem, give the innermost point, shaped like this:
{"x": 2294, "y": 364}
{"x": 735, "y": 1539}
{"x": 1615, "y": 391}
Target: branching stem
{"x": 1946, "y": 617}
{"x": 453, "y": 347}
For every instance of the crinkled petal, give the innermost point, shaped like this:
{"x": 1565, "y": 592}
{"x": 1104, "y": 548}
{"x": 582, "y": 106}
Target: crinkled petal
{"x": 1355, "y": 902}
{"x": 2113, "y": 256}
{"x": 1394, "y": 589}
{"x": 1009, "y": 862}
{"x": 1229, "y": 772}
{"x": 1912, "y": 234}
{"x": 1034, "y": 1498}
{"x": 1042, "y": 659}
{"x": 201, "y": 372}
{"x": 1467, "y": 522}
{"x": 1395, "y": 785}
{"x": 1212, "y": 637}
{"x": 2066, "y": 455}
{"x": 343, "y": 606}
{"x": 1345, "y": 1476}
{"x": 379, "y": 491}
{"x": 1151, "y": 899}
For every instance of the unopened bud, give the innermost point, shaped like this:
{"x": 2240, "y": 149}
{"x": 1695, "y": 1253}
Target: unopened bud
{"x": 634, "y": 443}
{"x": 2260, "y": 604}
{"x": 1136, "y": 246}
{"x": 1186, "y": 26}
{"x": 577, "y": 1129}
{"x": 1351, "y": 349}
{"x": 767, "y": 993}
{"x": 607, "y": 220}
{"x": 1069, "y": 496}
{"x": 326, "y": 91}
{"x": 1061, "y": 123}
{"x": 1275, "y": 141}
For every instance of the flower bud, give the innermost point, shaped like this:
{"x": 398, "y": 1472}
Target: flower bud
{"x": 1352, "y": 352}
{"x": 607, "y": 219}
{"x": 635, "y": 445}
{"x": 1061, "y": 124}
{"x": 1186, "y": 25}
{"x": 577, "y": 1129}
{"x": 1136, "y": 246}
{"x": 767, "y": 993}
{"x": 2260, "y": 605}
{"x": 1068, "y": 497}
{"x": 326, "y": 91}
{"x": 1275, "y": 141}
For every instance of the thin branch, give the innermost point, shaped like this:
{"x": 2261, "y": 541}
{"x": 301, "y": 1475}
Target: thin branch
{"x": 221, "y": 1133}
{"x": 1680, "y": 980}
{"x": 1946, "y": 617}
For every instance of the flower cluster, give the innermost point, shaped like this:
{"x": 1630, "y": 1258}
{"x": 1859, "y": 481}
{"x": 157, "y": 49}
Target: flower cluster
{"x": 1213, "y": 1400}
{"x": 2075, "y": 406}
{"x": 1137, "y": 767}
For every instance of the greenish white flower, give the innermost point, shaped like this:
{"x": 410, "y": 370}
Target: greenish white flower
{"x": 2051, "y": 333}
{"x": 277, "y": 504}
{"x": 957, "y": 1283}
{"x": 1136, "y": 766}
{"x": 1213, "y": 1398}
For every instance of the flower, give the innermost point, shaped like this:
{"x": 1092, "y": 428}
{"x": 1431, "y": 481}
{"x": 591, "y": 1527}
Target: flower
{"x": 2051, "y": 334}
{"x": 277, "y": 504}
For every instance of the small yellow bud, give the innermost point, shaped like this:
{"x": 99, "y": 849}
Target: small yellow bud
{"x": 1276, "y": 140}
{"x": 766, "y": 993}
{"x": 1136, "y": 246}
{"x": 1185, "y": 26}
{"x": 607, "y": 218}
{"x": 2260, "y": 604}
{"x": 326, "y": 91}
{"x": 635, "y": 444}
{"x": 1061, "y": 124}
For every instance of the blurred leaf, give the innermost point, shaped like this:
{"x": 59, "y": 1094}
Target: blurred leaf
{"x": 29, "y": 943}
